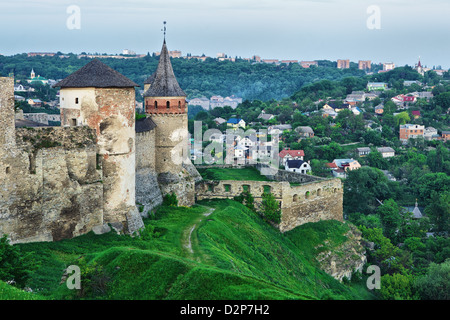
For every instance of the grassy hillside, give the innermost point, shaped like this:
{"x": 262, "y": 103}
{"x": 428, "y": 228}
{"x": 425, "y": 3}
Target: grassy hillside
{"x": 247, "y": 173}
{"x": 215, "y": 250}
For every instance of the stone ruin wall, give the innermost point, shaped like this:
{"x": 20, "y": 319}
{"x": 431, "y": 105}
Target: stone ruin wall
{"x": 311, "y": 201}
{"x": 52, "y": 188}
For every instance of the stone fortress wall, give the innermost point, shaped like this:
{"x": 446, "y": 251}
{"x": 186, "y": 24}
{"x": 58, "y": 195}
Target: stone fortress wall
{"x": 51, "y": 182}
{"x": 302, "y": 198}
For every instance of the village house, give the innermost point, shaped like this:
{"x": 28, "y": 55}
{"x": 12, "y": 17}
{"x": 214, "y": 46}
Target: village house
{"x": 288, "y": 154}
{"x": 446, "y": 136}
{"x": 386, "y": 152}
{"x": 298, "y": 166}
{"x": 236, "y": 123}
{"x": 430, "y": 133}
{"x": 379, "y": 109}
{"x": 279, "y": 129}
{"x": 219, "y": 121}
{"x": 345, "y": 165}
{"x": 305, "y": 132}
{"x": 35, "y": 103}
{"x": 363, "y": 151}
{"x": 265, "y": 116}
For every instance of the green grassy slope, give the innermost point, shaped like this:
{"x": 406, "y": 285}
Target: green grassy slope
{"x": 248, "y": 173}
{"x": 233, "y": 254}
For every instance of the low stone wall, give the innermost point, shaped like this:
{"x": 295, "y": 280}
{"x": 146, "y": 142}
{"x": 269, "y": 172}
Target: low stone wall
{"x": 312, "y": 202}
{"x": 309, "y": 202}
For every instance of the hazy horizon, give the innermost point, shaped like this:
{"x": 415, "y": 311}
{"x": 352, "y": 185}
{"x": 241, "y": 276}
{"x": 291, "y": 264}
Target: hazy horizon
{"x": 282, "y": 29}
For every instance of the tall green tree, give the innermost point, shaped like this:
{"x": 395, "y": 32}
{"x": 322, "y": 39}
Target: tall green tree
{"x": 270, "y": 209}
{"x": 438, "y": 210}
{"x": 363, "y": 188}
{"x": 390, "y": 216}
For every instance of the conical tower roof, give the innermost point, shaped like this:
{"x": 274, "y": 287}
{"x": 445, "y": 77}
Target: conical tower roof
{"x": 98, "y": 75}
{"x": 163, "y": 81}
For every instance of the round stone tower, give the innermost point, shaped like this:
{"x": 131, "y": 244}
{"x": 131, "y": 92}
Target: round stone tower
{"x": 103, "y": 99}
{"x": 165, "y": 103}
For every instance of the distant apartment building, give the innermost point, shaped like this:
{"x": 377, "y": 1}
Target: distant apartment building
{"x": 289, "y": 61}
{"x": 41, "y": 54}
{"x": 202, "y": 102}
{"x": 256, "y": 58}
{"x": 410, "y": 131}
{"x": 343, "y": 64}
{"x": 172, "y": 54}
{"x": 388, "y": 66}
{"x": 364, "y": 64}
{"x": 215, "y": 101}
{"x": 128, "y": 52}
{"x": 307, "y": 64}
{"x": 227, "y": 59}
{"x": 271, "y": 61}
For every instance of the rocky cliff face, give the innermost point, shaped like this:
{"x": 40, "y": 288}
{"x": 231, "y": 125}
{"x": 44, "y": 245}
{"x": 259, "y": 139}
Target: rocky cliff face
{"x": 342, "y": 260}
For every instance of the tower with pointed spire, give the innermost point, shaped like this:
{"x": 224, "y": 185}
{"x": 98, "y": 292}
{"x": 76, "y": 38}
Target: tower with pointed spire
{"x": 419, "y": 68}
{"x": 165, "y": 103}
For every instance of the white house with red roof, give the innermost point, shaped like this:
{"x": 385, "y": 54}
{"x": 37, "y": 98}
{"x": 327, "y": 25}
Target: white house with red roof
{"x": 288, "y": 154}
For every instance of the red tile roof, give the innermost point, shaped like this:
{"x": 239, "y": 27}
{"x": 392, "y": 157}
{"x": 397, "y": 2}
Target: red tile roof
{"x": 292, "y": 153}
{"x": 332, "y": 165}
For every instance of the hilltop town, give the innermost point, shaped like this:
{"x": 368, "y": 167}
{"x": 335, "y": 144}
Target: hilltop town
{"x": 364, "y": 156}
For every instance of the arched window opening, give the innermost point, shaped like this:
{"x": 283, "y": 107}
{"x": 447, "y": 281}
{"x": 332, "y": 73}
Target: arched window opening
{"x": 168, "y": 104}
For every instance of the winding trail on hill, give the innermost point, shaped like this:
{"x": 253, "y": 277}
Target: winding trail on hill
{"x": 187, "y": 234}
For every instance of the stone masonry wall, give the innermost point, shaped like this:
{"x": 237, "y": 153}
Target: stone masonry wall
{"x": 309, "y": 202}
{"x": 50, "y": 191}
{"x": 148, "y": 194}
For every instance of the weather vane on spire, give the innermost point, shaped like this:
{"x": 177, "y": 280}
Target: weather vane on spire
{"x": 164, "y": 30}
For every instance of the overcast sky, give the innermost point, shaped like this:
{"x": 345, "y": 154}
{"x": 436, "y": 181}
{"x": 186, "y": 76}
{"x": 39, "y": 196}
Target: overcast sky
{"x": 278, "y": 29}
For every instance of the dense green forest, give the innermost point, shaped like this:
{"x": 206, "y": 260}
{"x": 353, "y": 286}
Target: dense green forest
{"x": 197, "y": 78}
